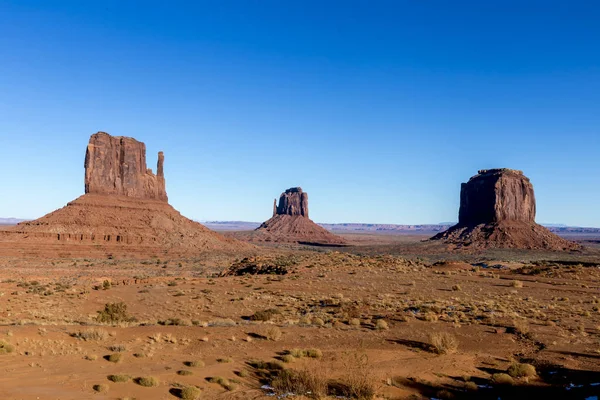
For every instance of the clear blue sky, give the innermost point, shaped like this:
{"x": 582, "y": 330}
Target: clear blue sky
{"x": 378, "y": 109}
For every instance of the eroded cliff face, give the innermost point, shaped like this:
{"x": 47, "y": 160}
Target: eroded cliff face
{"x": 293, "y": 202}
{"x": 497, "y": 210}
{"x": 116, "y": 165}
{"x": 496, "y": 195}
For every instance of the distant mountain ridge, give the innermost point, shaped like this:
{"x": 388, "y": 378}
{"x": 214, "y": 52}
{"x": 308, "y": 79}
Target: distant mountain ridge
{"x": 383, "y": 228}
{"x": 10, "y": 221}
{"x": 356, "y": 227}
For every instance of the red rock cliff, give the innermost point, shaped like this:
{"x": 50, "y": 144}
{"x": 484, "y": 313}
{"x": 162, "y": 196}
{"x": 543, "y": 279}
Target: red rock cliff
{"x": 293, "y": 202}
{"x": 496, "y": 195}
{"x": 116, "y": 165}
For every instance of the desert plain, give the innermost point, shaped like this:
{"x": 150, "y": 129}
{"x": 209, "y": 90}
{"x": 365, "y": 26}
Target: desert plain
{"x": 119, "y": 296}
{"x": 389, "y": 317}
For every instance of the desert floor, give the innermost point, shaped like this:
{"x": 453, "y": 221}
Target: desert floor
{"x": 390, "y": 316}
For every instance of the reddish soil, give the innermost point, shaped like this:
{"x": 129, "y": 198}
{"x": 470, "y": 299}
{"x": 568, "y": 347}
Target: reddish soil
{"x": 373, "y": 316}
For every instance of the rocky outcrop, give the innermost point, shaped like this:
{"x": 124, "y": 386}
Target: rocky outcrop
{"x": 116, "y": 165}
{"x": 293, "y": 202}
{"x": 124, "y": 208}
{"x": 496, "y": 195}
{"x": 290, "y": 223}
{"x": 497, "y": 210}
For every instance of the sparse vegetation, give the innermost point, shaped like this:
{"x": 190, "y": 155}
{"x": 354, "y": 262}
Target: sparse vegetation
{"x": 147, "y": 381}
{"x": 190, "y": 393}
{"x": 114, "y": 313}
{"x": 91, "y": 334}
{"x": 6, "y": 348}
{"x": 444, "y": 343}
{"x": 119, "y": 378}
{"x": 265, "y": 315}
{"x": 115, "y": 357}
{"x": 502, "y": 379}
{"x": 518, "y": 370}
{"x": 194, "y": 364}
{"x": 100, "y": 388}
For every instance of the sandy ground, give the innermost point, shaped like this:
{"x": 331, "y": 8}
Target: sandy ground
{"x": 370, "y": 314}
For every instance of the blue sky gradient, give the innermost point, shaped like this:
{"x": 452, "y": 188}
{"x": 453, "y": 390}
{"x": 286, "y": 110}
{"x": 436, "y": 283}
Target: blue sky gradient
{"x": 379, "y": 110}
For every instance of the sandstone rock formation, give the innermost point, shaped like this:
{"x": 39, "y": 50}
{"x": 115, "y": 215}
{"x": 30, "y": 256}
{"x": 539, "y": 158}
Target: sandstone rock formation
{"x": 496, "y": 195}
{"x": 497, "y": 209}
{"x": 293, "y": 202}
{"x": 124, "y": 204}
{"x": 290, "y": 223}
{"x": 116, "y": 165}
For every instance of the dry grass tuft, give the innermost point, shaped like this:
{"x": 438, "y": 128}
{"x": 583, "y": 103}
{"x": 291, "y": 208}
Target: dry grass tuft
{"x": 381, "y": 325}
{"x": 190, "y": 393}
{"x": 147, "y": 381}
{"x": 273, "y": 333}
{"x": 91, "y": 334}
{"x": 444, "y": 343}
{"x": 6, "y": 348}
{"x": 115, "y": 358}
{"x": 194, "y": 364}
{"x": 310, "y": 383}
{"x": 518, "y": 370}
{"x": 119, "y": 378}
{"x": 101, "y": 388}
{"x": 502, "y": 379}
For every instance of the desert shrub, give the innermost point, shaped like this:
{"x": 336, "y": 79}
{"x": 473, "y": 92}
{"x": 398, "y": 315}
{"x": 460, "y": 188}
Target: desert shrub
{"x": 273, "y": 333}
{"x": 117, "y": 347}
{"x": 101, "y": 388}
{"x": 299, "y": 353}
{"x": 6, "y": 348}
{"x": 444, "y": 343}
{"x": 456, "y": 288}
{"x": 518, "y": 370}
{"x": 430, "y": 317}
{"x": 91, "y": 334}
{"x": 184, "y": 372}
{"x": 174, "y": 322}
{"x": 265, "y": 315}
{"x": 318, "y": 321}
{"x": 358, "y": 381}
{"x": 190, "y": 393}
{"x": 223, "y": 382}
{"x": 119, "y": 378}
{"x": 381, "y": 325}
{"x": 502, "y": 379}
{"x": 516, "y": 284}
{"x": 146, "y": 381}
{"x": 520, "y": 327}
{"x": 116, "y": 357}
{"x": 287, "y": 358}
{"x": 114, "y": 313}
{"x": 310, "y": 383}
{"x": 225, "y": 360}
{"x": 313, "y": 353}
{"x": 354, "y": 322}
{"x": 194, "y": 364}
{"x": 242, "y": 373}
